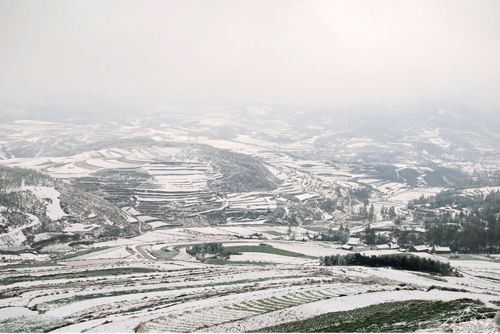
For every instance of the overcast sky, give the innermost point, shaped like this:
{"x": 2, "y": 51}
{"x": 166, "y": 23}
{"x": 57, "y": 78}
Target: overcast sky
{"x": 253, "y": 52}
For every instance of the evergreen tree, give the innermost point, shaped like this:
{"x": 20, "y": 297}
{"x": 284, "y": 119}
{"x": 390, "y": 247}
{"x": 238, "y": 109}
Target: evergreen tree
{"x": 371, "y": 214}
{"x": 392, "y": 212}
{"x": 369, "y": 236}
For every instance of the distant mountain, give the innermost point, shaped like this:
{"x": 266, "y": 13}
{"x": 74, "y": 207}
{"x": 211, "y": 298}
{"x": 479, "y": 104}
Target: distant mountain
{"x": 426, "y": 136}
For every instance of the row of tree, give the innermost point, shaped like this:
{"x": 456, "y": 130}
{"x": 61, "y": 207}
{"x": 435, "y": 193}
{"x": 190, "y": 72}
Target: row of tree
{"x": 388, "y": 213}
{"x": 468, "y": 237}
{"x": 208, "y": 248}
{"x": 341, "y": 235}
{"x": 367, "y": 213}
{"x": 11, "y": 177}
{"x": 371, "y": 238}
{"x": 395, "y": 261}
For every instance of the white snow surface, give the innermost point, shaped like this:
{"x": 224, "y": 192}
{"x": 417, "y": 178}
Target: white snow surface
{"x": 337, "y": 304}
{"x": 51, "y": 198}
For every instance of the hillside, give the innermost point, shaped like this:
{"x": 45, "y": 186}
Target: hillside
{"x": 38, "y": 211}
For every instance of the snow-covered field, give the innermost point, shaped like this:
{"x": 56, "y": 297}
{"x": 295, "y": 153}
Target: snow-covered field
{"x": 180, "y": 293}
{"x": 159, "y": 175}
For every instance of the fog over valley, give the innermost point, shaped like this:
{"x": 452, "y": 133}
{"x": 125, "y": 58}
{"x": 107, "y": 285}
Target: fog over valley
{"x": 249, "y": 166}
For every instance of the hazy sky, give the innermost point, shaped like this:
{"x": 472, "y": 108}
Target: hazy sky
{"x": 305, "y": 52}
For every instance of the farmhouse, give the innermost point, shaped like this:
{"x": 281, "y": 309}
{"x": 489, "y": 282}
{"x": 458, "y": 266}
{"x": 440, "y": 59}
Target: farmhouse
{"x": 440, "y": 250}
{"x": 387, "y": 246}
{"x": 354, "y": 242}
{"x": 346, "y": 247}
{"x": 418, "y": 249}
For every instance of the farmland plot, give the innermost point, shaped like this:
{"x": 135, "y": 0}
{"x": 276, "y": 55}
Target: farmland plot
{"x": 133, "y": 288}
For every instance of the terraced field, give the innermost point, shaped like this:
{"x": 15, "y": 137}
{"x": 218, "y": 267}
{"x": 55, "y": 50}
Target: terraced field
{"x": 259, "y": 194}
{"x": 173, "y": 184}
{"x": 173, "y": 180}
{"x": 196, "y": 319}
{"x": 134, "y": 288}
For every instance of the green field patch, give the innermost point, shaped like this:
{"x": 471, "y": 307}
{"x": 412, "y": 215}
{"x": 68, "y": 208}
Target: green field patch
{"x": 282, "y": 303}
{"x": 275, "y": 233}
{"x": 406, "y": 316}
{"x": 224, "y": 262}
{"x": 318, "y": 229}
{"x": 77, "y": 298}
{"x": 34, "y": 264}
{"x": 79, "y": 274}
{"x": 165, "y": 253}
{"x": 80, "y": 253}
{"x": 263, "y": 248}
{"x": 31, "y": 324}
{"x": 429, "y": 276}
{"x": 488, "y": 278}
{"x": 256, "y": 307}
{"x": 446, "y": 288}
{"x": 277, "y": 303}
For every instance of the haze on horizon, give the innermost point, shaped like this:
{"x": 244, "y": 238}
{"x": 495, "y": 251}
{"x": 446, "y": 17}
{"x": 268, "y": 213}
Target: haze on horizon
{"x": 309, "y": 53}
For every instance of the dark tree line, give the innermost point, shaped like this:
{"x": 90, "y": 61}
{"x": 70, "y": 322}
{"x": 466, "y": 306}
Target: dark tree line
{"x": 367, "y": 213}
{"x": 410, "y": 238}
{"x": 395, "y": 261}
{"x": 475, "y": 226}
{"x": 470, "y": 236}
{"x": 369, "y": 237}
{"x": 388, "y": 212}
{"x": 208, "y": 248}
{"x": 15, "y": 176}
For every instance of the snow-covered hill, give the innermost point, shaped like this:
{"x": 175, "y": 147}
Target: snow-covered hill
{"x": 37, "y": 211}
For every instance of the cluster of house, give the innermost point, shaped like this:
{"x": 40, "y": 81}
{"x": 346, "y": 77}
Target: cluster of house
{"x": 424, "y": 210}
{"x": 357, "y": 244}
{"x": 428, "y": 249}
